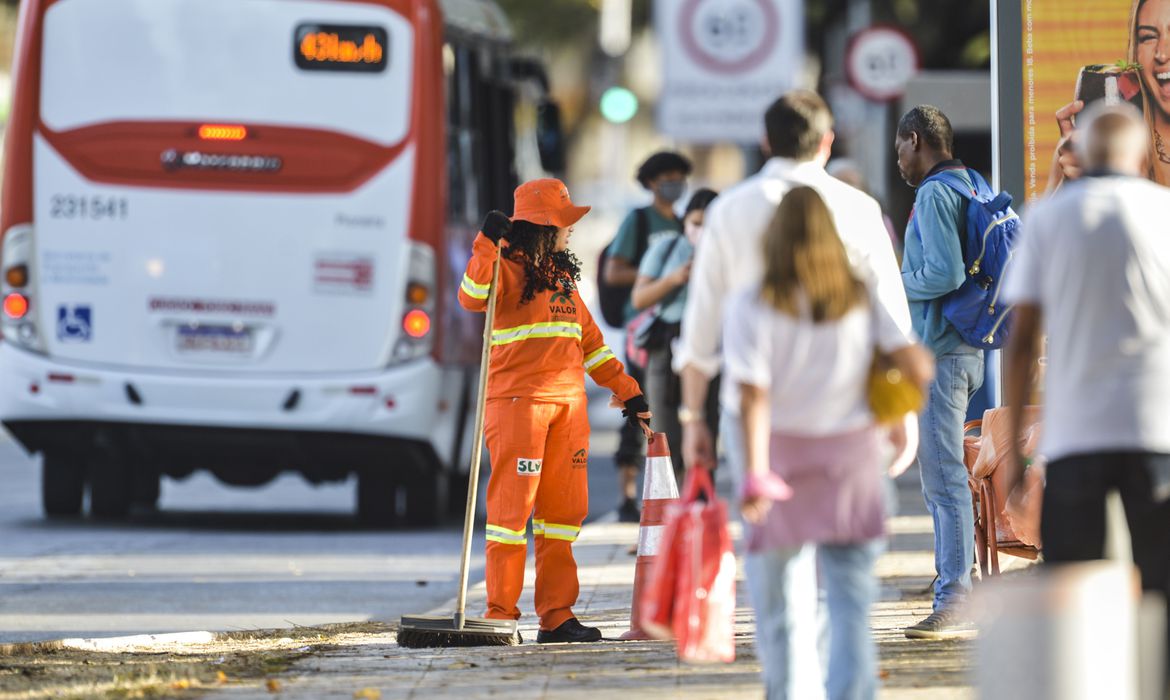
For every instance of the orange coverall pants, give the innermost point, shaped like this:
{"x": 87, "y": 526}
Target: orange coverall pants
{"x": 539, "y": 454}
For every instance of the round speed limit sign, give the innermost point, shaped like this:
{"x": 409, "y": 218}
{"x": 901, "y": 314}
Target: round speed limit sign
{"x": 729, "y": 36}
{"x": 880, "y": 61}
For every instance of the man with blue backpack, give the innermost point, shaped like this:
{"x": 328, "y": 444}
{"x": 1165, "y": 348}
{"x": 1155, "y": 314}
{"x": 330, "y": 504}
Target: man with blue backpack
{"x": 957, "y": 244}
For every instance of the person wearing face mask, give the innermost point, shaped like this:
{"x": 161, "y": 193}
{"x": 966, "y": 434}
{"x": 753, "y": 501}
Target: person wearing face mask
{"x": 664, "y": 175}
{"x": 662, "y": 282}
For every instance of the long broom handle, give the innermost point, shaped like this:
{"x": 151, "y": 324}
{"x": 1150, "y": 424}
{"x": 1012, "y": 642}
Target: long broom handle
{"x": 485, "y": 361}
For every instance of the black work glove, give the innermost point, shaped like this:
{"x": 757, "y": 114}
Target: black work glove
{"x": 634, "y": 406}
{"x": 496, "y": 225}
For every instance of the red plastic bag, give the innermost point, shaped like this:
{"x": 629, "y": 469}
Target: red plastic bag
{"x": 691, "y": 596}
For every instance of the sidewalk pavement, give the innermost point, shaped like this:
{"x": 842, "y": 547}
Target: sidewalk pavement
{"x": 374, "y": 666}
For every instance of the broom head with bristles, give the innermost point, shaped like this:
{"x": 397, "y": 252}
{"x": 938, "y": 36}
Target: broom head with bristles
{"x": 421, "y": 631}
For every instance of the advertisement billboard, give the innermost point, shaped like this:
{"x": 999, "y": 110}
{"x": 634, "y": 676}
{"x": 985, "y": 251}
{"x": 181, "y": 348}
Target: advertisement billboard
{"x": 1069, "y": 53}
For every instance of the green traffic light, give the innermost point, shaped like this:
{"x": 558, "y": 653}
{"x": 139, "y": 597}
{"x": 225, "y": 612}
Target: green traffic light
{"x": 618, "y": 105}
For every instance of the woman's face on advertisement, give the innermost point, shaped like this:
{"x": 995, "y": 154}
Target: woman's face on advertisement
{"x": 693, "y": 225}
{"x": 1152, "y": 37}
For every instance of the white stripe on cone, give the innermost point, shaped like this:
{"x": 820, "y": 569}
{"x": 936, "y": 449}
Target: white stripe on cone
{"x": 659, "y": 482}
{"x": 650, "y": 540}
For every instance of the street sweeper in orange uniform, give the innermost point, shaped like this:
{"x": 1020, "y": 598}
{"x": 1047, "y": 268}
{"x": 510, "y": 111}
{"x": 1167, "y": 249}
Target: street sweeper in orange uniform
{"x": 543, "y": 341}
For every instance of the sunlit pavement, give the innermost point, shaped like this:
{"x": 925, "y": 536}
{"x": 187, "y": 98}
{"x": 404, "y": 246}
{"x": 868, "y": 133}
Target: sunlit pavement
{"x": 909, "y": 670}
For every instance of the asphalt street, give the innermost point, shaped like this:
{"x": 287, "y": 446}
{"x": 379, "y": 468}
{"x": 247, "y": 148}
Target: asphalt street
{"x": 221, "y": 558}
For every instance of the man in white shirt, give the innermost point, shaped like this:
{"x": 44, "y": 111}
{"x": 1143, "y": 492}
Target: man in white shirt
{"x": 1092, "y": 271}
{"x": 799, "y": 130}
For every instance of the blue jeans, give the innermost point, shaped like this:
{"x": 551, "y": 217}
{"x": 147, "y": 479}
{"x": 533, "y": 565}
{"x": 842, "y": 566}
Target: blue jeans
{"x": 783, "y": 587}
{"x": 958, "y": 375}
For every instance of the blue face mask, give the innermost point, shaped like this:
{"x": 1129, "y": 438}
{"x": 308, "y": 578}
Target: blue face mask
{"x": 671, "y": 190}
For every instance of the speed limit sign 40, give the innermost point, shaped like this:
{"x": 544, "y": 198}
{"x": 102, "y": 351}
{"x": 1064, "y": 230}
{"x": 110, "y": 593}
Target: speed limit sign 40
{"x": 880, "y": 61}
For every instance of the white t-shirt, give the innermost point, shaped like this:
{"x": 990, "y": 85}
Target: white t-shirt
{"x": 816, "y": 372}
{"x": 1095, "y": 257}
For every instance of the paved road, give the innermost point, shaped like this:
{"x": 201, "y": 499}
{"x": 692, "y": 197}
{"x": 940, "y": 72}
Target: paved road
{"x": 221, "y": 558}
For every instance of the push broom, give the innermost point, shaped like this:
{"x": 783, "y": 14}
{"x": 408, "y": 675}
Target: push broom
{"x": 459, "y": 630}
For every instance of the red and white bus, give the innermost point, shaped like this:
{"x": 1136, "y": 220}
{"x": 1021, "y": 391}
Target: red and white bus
{"x": 231, "y": 234}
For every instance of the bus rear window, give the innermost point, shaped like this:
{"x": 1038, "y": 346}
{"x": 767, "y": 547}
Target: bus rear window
{"x": 343, "y": 67}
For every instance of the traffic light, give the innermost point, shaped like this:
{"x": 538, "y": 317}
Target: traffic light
{"x": 618, "y": 105}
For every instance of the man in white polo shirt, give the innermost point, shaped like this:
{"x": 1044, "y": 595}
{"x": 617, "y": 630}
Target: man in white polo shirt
{"x": 799, "y": 130}
{"x": 1092, "y": 271}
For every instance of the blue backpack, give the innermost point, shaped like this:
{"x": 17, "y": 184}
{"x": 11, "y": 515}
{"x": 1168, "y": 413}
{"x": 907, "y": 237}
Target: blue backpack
{"x": 974, "y": 308}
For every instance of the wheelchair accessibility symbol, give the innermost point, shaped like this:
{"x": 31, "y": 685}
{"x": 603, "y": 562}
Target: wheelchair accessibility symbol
{"x": 74, "y": 323}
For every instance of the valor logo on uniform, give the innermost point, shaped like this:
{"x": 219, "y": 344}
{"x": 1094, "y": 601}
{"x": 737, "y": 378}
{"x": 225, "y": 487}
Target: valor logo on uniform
{"x": 528, "y": 467}
{"x": 580, "y": 459}
{"x": 562, "y": 304}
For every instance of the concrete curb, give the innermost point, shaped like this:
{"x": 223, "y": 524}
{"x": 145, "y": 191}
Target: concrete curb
{"x": 136, "y": 641}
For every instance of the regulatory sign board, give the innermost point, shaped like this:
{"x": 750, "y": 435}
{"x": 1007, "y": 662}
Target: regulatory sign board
{"x": 880, "y": 61}
{"x": 723, "y": 63}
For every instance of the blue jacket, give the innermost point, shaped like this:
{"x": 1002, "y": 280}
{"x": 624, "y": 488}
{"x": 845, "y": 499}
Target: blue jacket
{"x": 932, "y": 264}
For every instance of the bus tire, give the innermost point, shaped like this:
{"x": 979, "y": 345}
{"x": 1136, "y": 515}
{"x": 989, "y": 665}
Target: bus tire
{"x": 62, "y": 484}
{"x": 146, "y": 487}
{"x": 426, "y": 498}
{"x": 457, "y": 486}
{"x": 377, "y": 498}
{"x": 111, "y": 486}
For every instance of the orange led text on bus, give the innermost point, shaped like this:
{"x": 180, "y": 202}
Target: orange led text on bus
{"x": 329, "y": 47}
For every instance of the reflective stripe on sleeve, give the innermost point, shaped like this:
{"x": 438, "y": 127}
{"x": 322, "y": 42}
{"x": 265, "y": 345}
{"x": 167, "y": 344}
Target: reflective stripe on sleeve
{"x": 503, "y": 535}
{"x": 598, "y": 357}
{"x": 504, "y": 336}
{"x": 555, "y": 531}
{"x": 475, "y": 290}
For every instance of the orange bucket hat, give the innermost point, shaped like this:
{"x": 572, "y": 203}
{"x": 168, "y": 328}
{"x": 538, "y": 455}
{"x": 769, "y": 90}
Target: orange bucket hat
{"x": 546, "y": 202}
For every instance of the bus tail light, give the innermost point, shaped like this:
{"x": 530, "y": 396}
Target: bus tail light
{"x": 223, "y": 132}
{"x": 18, "y": 289}
{"x": 16, "y": 276}
{"x": 16, "y": 306}
{"x": 418, "y": 310}
{"x": 416, "y": 323}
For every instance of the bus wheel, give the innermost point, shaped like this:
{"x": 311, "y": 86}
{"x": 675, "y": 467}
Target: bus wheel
{"x": 111, "y": 486}
{"x": 457, "y": 485}
{"x": 146, "y": 486}
{"x": 377, "y": 498}
{"x": 62, "y": 484}
{"x": 426, "y": 497}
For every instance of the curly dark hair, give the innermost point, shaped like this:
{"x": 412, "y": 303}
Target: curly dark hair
{"x": 531, "y": 245}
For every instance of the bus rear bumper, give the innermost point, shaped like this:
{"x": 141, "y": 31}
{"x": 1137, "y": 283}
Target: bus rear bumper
{"x": 417, "y": 401}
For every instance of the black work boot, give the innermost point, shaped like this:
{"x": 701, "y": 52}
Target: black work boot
{"x": 571, "y": 630}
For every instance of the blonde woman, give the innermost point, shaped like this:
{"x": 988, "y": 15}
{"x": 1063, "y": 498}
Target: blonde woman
{"x": 1149, "y": 48}
{"x": 800, "y": 346}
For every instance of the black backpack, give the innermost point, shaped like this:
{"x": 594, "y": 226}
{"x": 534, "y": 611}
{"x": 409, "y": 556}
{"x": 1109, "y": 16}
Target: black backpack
{"x": 613, "y": 298}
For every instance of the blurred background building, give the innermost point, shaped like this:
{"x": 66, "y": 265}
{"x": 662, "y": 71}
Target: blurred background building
{"x": 605, "y": 59}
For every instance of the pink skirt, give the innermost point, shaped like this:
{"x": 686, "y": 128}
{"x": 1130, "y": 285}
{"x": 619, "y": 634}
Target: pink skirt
{"x": 838, "y": 491}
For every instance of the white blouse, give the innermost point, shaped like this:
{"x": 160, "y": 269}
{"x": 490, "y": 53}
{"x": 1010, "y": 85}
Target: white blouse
{"x": 815, "y": 372}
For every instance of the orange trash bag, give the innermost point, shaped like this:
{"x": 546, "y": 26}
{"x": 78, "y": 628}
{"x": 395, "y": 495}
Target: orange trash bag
{"x": 691, "y": 596}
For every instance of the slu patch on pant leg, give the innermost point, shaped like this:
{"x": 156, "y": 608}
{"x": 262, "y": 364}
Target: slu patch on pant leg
{"x": 528, "y": 467}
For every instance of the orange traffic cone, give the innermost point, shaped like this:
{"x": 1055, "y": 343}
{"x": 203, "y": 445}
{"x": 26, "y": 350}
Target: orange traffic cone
{"x": 659, "y": 490}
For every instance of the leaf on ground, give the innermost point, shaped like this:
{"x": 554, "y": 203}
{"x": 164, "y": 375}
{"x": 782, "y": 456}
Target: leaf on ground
{"x": 462, "y": 664}
{"x": 273, "y": 685}
{"x": 368, "y": 694}
{"x": 221, "y": 677}
{"x": 182, "y": 684}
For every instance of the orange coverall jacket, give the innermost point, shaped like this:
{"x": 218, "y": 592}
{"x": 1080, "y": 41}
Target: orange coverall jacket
{"x": 542, "y": 349}
{"x": 537, "y": 430}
